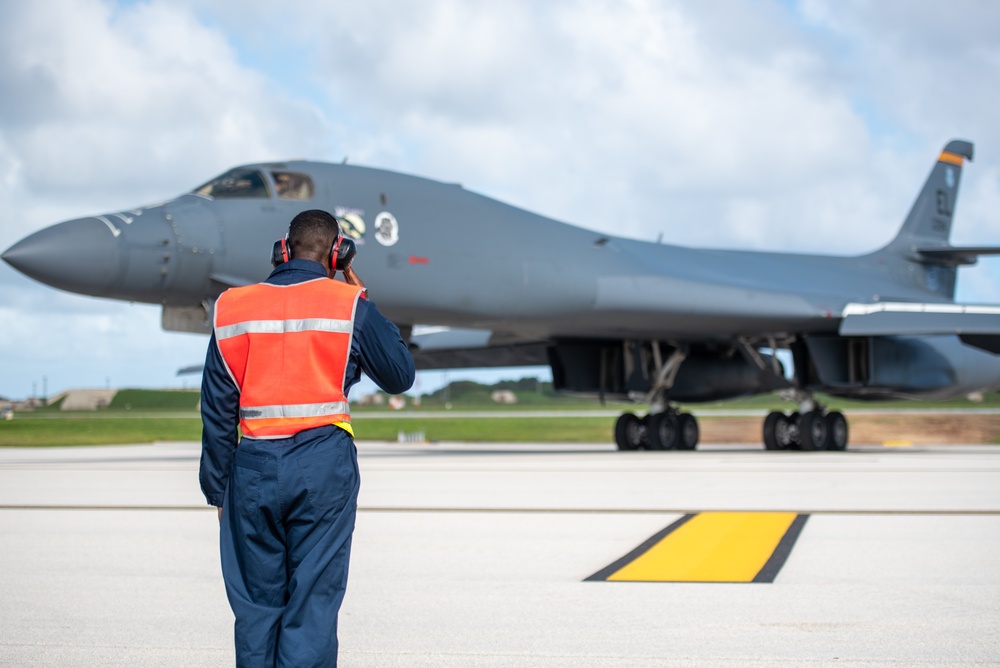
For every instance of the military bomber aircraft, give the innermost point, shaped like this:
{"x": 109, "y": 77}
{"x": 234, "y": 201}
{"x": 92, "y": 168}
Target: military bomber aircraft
{"x": 612, "y": 317}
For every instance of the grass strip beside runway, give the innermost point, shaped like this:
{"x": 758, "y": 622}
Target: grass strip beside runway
{"x": 26, "y": 431}
{"x": 116, "y": 427}
{"x": 51, "y": 431}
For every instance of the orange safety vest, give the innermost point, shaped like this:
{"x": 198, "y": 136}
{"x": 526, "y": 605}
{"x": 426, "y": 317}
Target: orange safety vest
{"x": 286, "y": 347}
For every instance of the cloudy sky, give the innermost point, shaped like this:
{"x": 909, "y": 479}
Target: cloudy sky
{"x": 762, "y": 124}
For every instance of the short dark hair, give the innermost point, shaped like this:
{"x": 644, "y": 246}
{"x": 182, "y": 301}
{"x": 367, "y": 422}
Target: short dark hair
{"x": 312, "y": 232}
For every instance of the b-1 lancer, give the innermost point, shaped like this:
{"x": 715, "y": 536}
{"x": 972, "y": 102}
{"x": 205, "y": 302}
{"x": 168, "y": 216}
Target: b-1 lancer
{"x": 612, "y": 317}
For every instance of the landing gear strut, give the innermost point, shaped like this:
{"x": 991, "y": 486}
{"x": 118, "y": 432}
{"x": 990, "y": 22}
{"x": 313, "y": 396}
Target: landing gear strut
{"x": 649, "y": 376}
{"x": 665, "y": 428}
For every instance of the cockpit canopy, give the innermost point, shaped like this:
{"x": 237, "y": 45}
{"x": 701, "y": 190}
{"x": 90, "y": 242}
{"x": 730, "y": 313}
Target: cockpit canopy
{"x": 293, "y": 185}
{"x": 249, "y": 183}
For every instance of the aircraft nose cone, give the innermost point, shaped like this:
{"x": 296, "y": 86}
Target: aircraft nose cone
{"x": 78, "y": 255}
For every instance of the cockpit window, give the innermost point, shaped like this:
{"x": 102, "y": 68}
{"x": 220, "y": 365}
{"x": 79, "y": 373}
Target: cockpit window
{"x": 239, "y": 182}
{"x": 293, "y": 185}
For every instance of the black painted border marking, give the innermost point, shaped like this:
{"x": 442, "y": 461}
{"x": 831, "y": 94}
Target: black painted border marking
{"x": 773, "y": 565}
{"x": 606, "y": 572}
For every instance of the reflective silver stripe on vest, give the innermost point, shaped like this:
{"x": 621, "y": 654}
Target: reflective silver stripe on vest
{"x": 283, "y": 326}
{"x": 294, "y": 410}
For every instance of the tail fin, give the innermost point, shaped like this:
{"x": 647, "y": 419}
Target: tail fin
{"x": 929, "y": 221}
{"x": 923, "y": 239}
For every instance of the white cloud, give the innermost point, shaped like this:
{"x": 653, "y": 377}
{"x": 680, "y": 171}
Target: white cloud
{"x": 140, "y": 100}
{"x": 610, "y": 115}
{"x": 923, "y": 65}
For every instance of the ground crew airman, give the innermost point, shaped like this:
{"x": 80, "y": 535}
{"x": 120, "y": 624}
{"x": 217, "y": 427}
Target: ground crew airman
{"x": 282, "y": 358}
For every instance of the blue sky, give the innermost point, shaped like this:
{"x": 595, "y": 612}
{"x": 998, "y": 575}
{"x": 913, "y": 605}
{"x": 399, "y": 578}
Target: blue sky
{"x": 783, "y": 125}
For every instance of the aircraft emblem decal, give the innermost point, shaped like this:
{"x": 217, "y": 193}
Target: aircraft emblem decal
{"x": 386, "y": 229}
{"x": 353, "y": 225}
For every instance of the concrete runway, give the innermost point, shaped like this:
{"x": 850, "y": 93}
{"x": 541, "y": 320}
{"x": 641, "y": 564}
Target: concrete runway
{"x": 476, "y": 555}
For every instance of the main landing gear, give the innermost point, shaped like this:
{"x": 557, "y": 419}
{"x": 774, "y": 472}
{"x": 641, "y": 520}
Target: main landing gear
{"x": 669, "y": 430}
{"x": 809, "y": 428}
{"x": 812, "y": 430}
{"x": 812, "y": 427}
{"x": 665, "y": 428}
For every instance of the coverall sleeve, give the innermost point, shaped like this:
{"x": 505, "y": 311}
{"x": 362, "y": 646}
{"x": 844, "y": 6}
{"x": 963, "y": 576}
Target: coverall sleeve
{"x": 383, "y": 355}
{"x": 220, "y": 414}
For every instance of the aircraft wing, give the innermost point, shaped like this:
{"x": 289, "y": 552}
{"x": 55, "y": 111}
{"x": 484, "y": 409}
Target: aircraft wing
{"x": 453, "y": 348}
{"x": 977, "y": 326}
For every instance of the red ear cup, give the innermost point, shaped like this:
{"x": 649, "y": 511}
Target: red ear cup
{"x": 345, "y": 254}
{"x": 334, "y": 251}
{"x": 279, "y": 253}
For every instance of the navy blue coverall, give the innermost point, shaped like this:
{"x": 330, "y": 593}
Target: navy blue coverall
{"x": 289, "y": 505}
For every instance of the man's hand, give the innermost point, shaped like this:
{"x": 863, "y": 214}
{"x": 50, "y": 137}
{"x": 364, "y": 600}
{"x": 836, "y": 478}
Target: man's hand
{"x": 351, "y": 277}
{"x": 220, "y": 513}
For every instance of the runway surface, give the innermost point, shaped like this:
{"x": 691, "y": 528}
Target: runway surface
{"x": 479, "y": 555}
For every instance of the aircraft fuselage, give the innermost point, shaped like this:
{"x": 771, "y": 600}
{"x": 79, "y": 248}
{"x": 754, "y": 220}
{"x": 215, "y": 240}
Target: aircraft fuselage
{"x": 462, "y": 260}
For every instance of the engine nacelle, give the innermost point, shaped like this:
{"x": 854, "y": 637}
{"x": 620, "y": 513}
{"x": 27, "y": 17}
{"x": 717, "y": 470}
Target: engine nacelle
{"x": 622, "y": 369}
{"x": 931, "y": 367}
{"x": 701, "y": 379}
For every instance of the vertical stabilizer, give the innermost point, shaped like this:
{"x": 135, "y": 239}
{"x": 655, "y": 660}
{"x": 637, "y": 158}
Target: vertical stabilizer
{"x": 923, "y": 239}
{"x": 929, "y": 221}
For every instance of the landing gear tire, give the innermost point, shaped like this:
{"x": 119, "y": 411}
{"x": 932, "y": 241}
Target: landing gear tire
{"x": 836, "y": 426}
{"x": 628, "y": 432}
{"x": 794, "y": 423}
{"x": 778, "y": 431}
{"x": 644, "y": 432}
{"x": 772, "y": 423}
{"x": 688, "y": 432}
{"x": 663, "y": 432}
{"x": 814, "y": 433}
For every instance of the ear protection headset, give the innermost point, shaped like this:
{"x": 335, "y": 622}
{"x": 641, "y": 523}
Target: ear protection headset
{"x": 341, "y": 254}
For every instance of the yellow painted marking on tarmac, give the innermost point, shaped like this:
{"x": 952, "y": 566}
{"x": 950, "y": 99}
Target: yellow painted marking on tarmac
{"x": 897, "y": 444}
{"x": 711, "y": 547}
{"x": 951, "y": 158}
